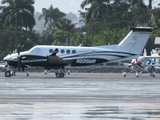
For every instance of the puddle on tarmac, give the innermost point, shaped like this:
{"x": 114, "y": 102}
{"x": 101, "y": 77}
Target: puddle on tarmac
{"x": 40, "y": 111}
{"x": 121, "y": 113}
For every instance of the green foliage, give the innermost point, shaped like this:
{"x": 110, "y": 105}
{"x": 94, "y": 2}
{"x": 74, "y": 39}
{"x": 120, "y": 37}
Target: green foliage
{"x": 18, "y": 13}
{"x": 11, "y": 37}
{"x": 150, "y": 44}
{"x": 64, "y": 24}
{"x": 51, "y": 15}
{"x": 60, "y": 37}
{"x": 108, "y": 36}
{"x": 106, "y": 22}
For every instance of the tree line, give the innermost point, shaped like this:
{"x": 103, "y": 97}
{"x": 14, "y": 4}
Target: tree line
{"x": 106, "y": 22}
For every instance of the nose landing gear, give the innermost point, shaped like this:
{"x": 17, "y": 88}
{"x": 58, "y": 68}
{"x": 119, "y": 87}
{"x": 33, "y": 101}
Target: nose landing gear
{"x": 8, "y": 74}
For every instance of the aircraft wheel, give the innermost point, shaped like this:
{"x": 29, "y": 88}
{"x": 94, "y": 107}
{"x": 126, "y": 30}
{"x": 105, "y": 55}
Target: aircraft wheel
{"x": 137, "y": 75}
{"x": 27, "y": 74}
{"x": 62, "y": 75}
{"x": 154, "y": 74}
{"x": 7, "y": 74}
{"x": 124, "y": 74}
{"x": 58, "y": 75}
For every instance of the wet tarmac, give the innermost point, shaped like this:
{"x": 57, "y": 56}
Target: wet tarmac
{"x": 80, "y": 96}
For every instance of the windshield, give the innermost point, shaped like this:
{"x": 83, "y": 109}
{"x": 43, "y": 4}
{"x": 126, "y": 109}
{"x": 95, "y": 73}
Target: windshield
{"x": 36, "y": 50}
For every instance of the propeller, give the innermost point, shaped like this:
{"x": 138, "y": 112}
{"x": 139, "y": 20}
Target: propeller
{"x": 18, "y": 51}
{"x": 54, "y": 52}
{"x": 19, "y": 47}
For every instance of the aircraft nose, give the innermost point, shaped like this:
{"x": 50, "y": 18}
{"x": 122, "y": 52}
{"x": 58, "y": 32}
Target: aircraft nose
{"x": 5, "y": 58}
{"x": 9, "y": 58}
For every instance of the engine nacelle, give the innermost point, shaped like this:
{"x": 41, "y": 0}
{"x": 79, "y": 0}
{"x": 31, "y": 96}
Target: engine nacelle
{"x": 57, "y": 61}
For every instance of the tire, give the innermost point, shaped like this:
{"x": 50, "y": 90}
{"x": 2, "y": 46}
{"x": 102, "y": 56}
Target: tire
{"x": 7, "y": 74}
{"x": 124, "y": 74}
{"x": 58, "y": 75}
{"x": 62, "y": 75}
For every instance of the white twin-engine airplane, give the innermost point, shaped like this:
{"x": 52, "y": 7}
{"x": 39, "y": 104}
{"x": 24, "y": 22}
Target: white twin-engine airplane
{"x": 57, "y": 57}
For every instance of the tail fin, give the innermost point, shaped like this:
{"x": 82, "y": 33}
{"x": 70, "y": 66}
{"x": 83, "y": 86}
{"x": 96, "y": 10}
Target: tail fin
{"x": 136, "y": 40}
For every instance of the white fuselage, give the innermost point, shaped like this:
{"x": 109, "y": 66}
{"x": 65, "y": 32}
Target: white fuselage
{"x": 76, "y": 56}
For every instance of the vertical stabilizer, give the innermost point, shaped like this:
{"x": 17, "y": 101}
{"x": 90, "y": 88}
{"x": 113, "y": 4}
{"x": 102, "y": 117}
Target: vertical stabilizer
{"x": 136, "y": 40}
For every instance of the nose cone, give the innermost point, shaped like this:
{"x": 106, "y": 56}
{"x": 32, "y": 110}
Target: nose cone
{"x": 5, "y": 58}
{"x": 12, "y": 57}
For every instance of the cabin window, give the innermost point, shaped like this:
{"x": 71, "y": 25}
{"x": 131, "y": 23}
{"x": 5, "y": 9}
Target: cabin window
{"x": 73, "y": 51}
{"x": 62, "y": 51}
{"x": 50, "y": 50}
{"x": 68, "y": 51}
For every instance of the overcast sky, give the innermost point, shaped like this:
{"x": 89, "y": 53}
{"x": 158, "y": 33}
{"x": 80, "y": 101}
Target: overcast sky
{"x": 65, "y": 6}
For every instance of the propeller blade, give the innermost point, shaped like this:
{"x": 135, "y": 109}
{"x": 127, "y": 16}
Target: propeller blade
{"x": 18, "y": 63}
{"x": 18, "y": 51}
{"x": 54, "y": 52}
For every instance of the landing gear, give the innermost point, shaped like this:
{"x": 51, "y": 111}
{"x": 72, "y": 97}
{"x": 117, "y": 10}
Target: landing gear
{"x": 8, "y": 74}
{"x": 137, "y": 75}
{"x": 124, "y": 74}
{"x": 153, "y": 74}
{"x": 27, "y": 73}
{"x": 60, "y": 73}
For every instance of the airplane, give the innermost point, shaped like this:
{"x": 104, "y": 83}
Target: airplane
{"x": 58, "y": 57}
{"x": 140, "y": 65}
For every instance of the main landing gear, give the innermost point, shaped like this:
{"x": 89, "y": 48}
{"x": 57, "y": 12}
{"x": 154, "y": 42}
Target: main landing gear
{"x": 59, "y": 73}
{"x": 125, "y": 74}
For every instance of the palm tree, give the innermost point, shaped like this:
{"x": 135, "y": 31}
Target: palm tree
{"x": 97, "y": 9}
{"x": 100, "y": 9}
{"x": 18, "y": 13}
{"x": 64, "y": 24}
{"x": 139, "y": 3}
{"x": 51, "y": 15}
{"x": 145, "y": 13}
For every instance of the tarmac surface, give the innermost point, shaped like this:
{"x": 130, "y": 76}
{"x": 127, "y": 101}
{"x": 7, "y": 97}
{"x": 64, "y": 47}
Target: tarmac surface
{"x": 79, "y": 96}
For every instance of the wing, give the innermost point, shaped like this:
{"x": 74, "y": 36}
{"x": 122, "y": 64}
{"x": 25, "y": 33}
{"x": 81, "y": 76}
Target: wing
{"x": 2, "y": 66}
{"x": 127, "y": 64}
{"x": 50, "y": 60}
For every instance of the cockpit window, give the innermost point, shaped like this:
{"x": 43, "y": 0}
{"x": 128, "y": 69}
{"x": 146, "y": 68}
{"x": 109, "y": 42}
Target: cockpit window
{"x": 36, "y": 51}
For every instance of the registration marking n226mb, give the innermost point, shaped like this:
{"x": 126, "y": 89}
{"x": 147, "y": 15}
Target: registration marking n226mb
{"x": 86, "y": 61}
